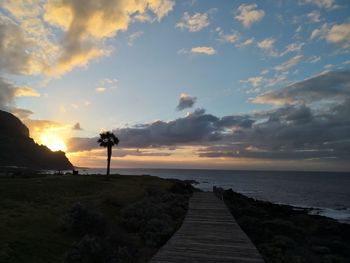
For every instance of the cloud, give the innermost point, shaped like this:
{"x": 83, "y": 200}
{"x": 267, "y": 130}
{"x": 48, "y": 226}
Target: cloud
{"x": 26, "y": 92}
{"x": 328, "y": 66}
{"x": 291, "y": 132}
{"x": 333, "y": 86}
{"x": 277, "y": 79}
{"x": 54, "y": 37}
{"x": 289, "y": 63}
{"x": 267, "y": 45}
{"x": 254, "y": 81}
{"x": 227, "y": 38}
{"x": 77, "y": 144}
{"x": 264, "y": 72}
{"x": 328, "y": 4}
{"x": 247, "y": 42}
{"x": 301, "y": 131}
{"x": 320, "y": 32}
{"x": 339, "y": 33}
{"x": 314, "y": 16}
{"x": 32, "y": 37}
{"x": 258, "y": 82}
{"x": 193, "y": 23}
{"x": 97, "y": 154}
{"x": 138, "y": 152}
{"x": 100, "y": 89}
{"x": 293, "y": 47}
{"x": 106, "y": 84}
{"x": 314, "y": 59}
{"x": 196, "y": 128}
{"x": 7, "y": 94}
{"x": 185, "y": 102}
{"x": 21, "y": 113}
{"x": 13, "y": 45}
{"x": 298, "y": 30}
{"x": 77, "y": 127}
{"x": 44, "y": 131}
{"x": 336, "y": 34}
{"x": 249, "y": 14}
{"x": 145, "y": 17}
{"x": 9, "y": 91}
{"x": 132, "y": 37}
{"x": 204, "y": 50}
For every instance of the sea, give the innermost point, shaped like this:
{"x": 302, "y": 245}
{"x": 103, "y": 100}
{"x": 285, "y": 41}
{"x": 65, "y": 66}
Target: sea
{"x": 327, "y": 193}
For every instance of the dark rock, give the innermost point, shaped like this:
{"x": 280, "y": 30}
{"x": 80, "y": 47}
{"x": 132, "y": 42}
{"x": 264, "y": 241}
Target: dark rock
{"x": 18, "y": 149}
{"x": 12, "y": 126}
{"x": 285, "y": 234}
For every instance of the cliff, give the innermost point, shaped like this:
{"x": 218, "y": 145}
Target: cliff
{"x": 18, "y": 149}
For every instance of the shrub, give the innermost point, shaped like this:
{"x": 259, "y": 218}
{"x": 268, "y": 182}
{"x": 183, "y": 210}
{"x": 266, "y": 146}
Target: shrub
{"x": 155, "y": 218}
{"x": 82, "y": 221}
{"x": 92, "y": 249}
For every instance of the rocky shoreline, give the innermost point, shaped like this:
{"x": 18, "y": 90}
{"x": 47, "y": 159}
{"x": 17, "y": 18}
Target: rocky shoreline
{"x": 288, "y": 234}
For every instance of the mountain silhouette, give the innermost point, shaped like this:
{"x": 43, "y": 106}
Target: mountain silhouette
{"x": 18, "y": 149}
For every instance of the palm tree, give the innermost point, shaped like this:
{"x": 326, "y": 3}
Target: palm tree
{"x": 108, "y": 139}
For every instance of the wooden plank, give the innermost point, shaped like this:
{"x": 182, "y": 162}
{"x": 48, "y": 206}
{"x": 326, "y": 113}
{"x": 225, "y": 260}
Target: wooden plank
{"x": 209, "y": 233}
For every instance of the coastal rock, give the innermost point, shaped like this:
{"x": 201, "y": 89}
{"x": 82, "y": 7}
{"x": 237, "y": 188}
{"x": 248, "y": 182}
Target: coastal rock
{"x": 18, "y": 149}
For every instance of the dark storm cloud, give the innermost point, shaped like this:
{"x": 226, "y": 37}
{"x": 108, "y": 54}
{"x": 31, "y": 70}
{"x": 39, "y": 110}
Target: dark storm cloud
{"x": 14, "y": 58}
{"x": 291, "y": 132}
{"x": 185, "y": 102}
{"x": 7, "y": 94}
{"x": 308, "y": 129}
{"x": 21, "y": 113}
{"x": 334, "y": 85}
{"x": 82, "y": 144}
{"x": 195, "y": 129}
{"x": 232, "y": 121}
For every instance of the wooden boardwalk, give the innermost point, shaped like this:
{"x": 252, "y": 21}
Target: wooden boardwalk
{"x": 209, "y": 233}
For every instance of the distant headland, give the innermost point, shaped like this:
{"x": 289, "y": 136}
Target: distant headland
{"x": 18, "y": 149}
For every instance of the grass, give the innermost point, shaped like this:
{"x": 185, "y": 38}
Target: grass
{"x": 31, "y": 210}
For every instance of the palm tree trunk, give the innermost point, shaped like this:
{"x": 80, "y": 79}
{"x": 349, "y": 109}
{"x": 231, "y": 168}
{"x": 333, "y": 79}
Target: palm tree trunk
{"x": 109, "y": 154}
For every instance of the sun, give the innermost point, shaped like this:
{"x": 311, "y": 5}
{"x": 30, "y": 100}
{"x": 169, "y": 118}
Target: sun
{"x": 53, "y": 142}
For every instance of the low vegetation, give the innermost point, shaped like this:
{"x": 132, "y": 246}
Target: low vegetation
{"x": 283, "y": 234}
{"x": 87, "y": 218}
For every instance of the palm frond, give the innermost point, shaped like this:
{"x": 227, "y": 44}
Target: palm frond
{"x": 108, "y": 139}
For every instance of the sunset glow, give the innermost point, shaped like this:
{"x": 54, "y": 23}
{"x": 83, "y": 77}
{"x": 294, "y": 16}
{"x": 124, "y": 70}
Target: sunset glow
{"x": 123, "y": 120}
{"x": 238, "y": 84}
{"x": 53, "y": 142}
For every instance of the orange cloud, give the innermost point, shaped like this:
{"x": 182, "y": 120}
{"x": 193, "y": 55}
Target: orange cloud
{"x": 26, "y": 92}
{"x": 86, "y": 28}
{"x": 204, "y": 50}
{"x": 84, "y": 31}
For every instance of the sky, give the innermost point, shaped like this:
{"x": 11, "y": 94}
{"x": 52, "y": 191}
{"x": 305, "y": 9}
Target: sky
{"x": 183, "y": 84}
